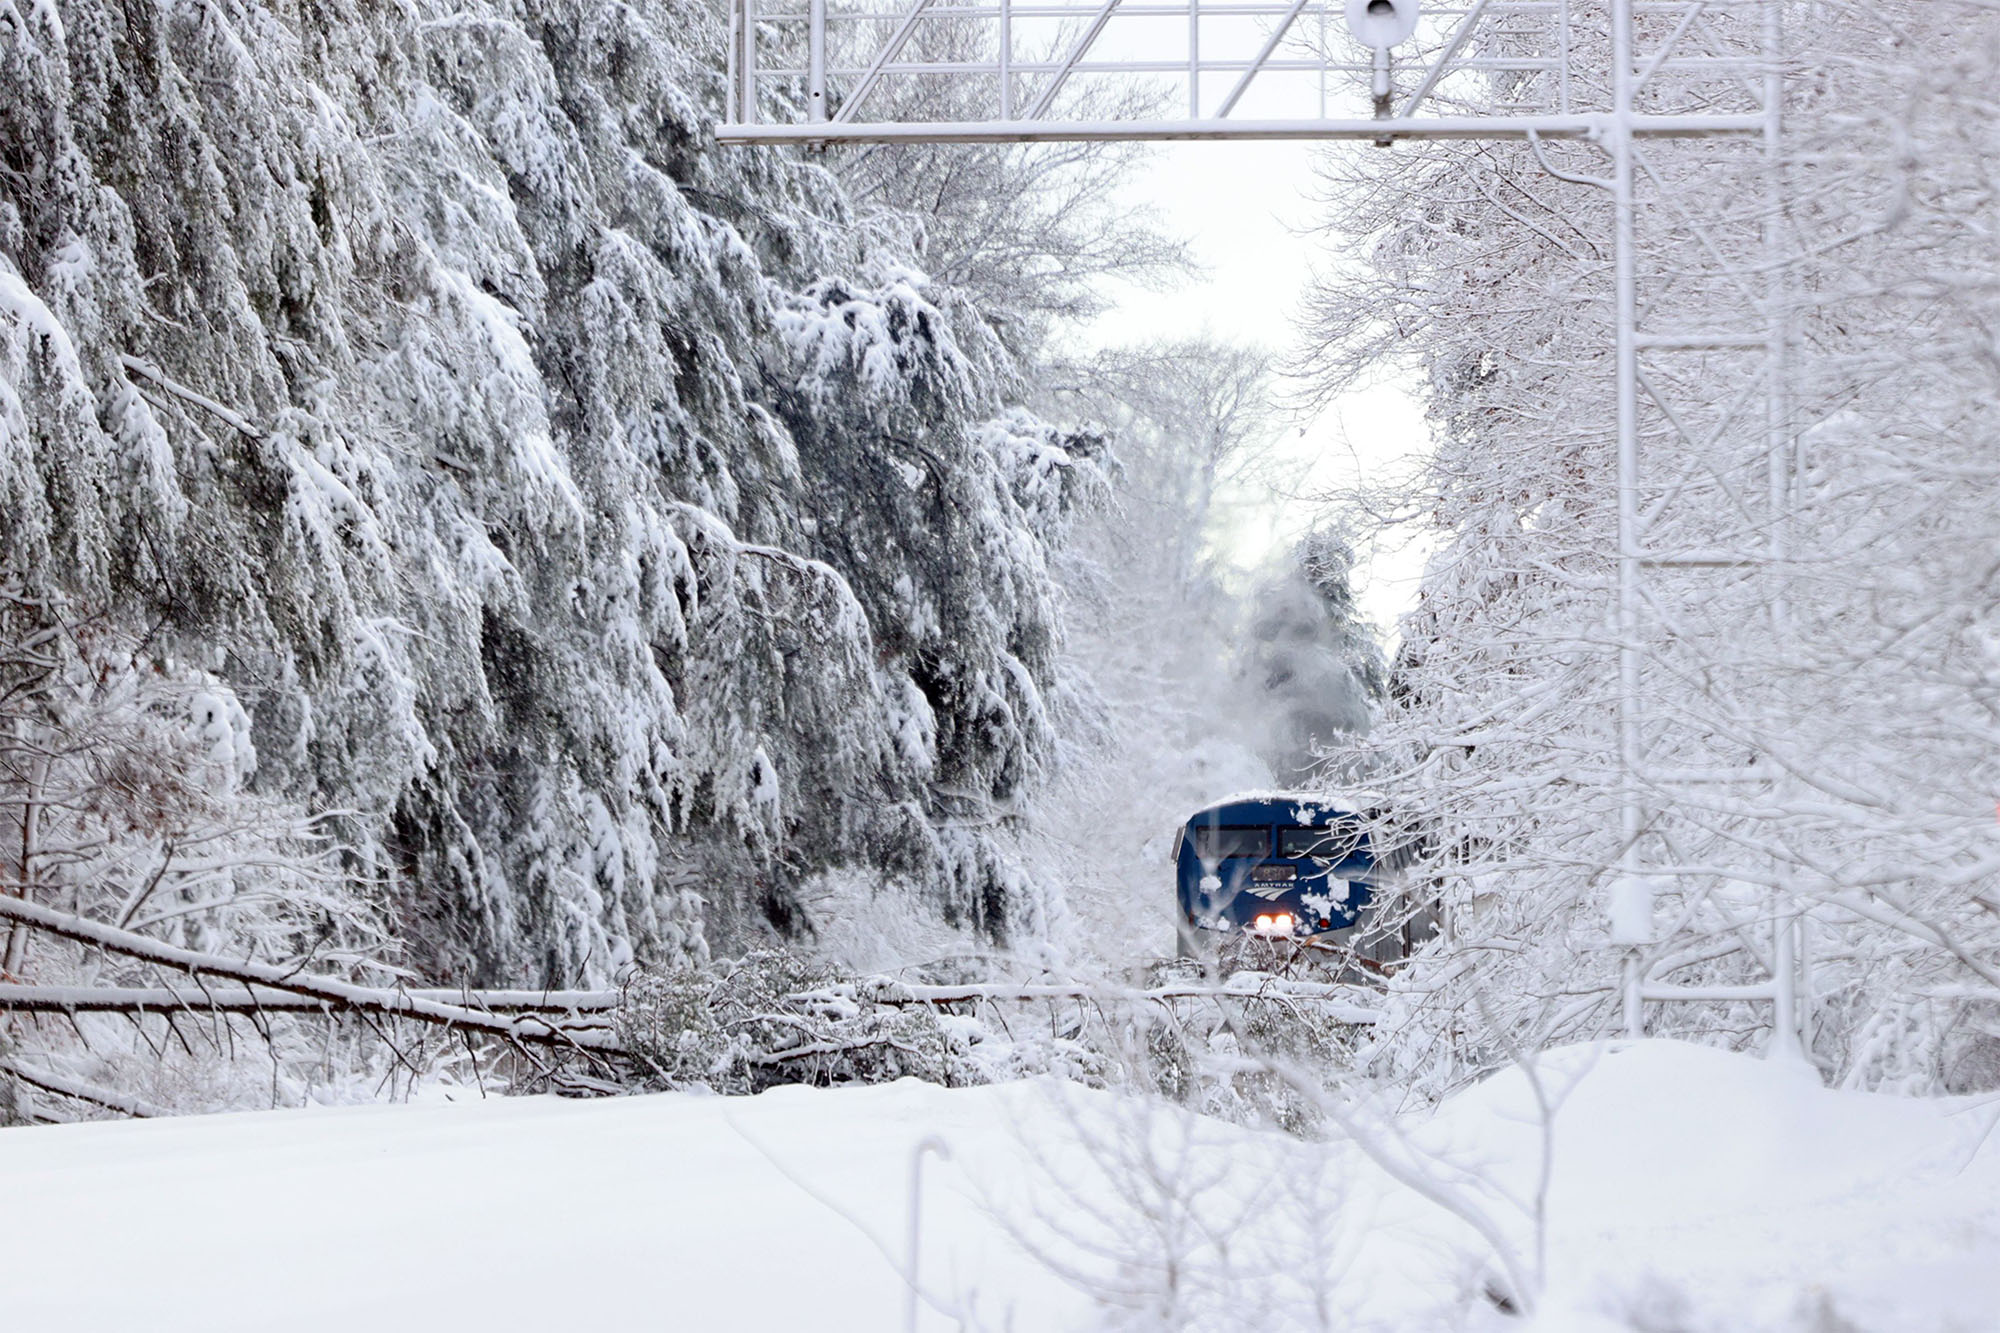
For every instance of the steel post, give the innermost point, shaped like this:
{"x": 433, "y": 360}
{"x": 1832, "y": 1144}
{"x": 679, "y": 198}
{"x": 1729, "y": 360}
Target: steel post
{"x": 1785, "y": 1027}
{"x": 816, "y": 61}
{"x": 1194, "y": 59}
{"x": 1633, "y": 893}
{"x": 746, "y": 68}
{"x": 1006, "y": 59}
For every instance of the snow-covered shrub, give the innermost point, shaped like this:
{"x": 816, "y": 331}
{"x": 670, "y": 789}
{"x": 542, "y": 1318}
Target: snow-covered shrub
{"x": 781, "y": 1016}
{"x": 124, "y": 798}
{"x": 1256, "y": 1060}
{"x": 126, "y": 801}
{"x": 777, "y": 1016}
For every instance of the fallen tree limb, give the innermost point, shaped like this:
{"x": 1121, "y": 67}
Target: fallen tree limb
{"x": 245, "y": 999}
{"x": 522, "y": 1001}
{"x": 62, "y": 1085}
{"x": 808, "y": 1050}
{"x": 1340, "y": 1000}
{"x": 330, "y": 991}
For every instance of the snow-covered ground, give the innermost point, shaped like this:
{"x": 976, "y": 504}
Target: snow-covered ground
{"x": 1696, "y": 1190}
{"x": 1691, "y": 1191}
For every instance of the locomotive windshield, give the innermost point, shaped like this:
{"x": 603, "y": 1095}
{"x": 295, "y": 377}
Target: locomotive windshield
{"x": 1214, "y": 844}
{"x": 1321, "y": 844}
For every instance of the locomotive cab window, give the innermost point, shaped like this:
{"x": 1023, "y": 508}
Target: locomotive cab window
{"x": 1215, "y": 844}
{"x": 1319, "y": 844}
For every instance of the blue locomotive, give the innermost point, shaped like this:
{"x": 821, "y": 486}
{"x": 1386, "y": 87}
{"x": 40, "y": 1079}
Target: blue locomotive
{"x": 1286, "y": 866}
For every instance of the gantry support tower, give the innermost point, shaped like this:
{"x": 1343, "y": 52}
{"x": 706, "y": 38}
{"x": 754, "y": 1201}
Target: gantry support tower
{"x": 1627, "y": 76}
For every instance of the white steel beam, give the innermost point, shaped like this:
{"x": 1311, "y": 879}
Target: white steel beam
{"x": 1006, "y": 61}
{"x": 1296, "y": 65}
{"x": 1787, "y": 1034}
{"x": 1701, "y": 342}
{"x": 1055, "y": 131}
{"x": 1194, "y": 60}
{"x": 746, "y": 54}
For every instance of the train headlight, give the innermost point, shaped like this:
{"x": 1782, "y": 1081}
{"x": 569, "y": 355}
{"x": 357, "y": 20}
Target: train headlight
{"x": 1274, "y": 923}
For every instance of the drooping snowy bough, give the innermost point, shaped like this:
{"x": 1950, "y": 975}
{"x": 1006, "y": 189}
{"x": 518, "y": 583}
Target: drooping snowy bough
{"x": 511, "y": 537}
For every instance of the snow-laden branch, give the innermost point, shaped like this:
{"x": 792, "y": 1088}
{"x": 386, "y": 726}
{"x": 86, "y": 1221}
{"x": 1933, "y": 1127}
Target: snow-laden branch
{"x": 49, "y": 1080}
{"x": 1360, "y": 1004}
{"x": 158, "y": 378}
{"x": 253, "y": 998}
{"x": 334, "y": 993}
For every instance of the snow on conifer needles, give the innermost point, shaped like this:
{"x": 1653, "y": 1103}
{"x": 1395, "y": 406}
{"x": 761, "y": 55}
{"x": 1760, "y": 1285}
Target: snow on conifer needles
{"x": 602, "y": 538}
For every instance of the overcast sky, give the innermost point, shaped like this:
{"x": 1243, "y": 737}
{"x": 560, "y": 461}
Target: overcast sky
{"x": 1245, "y": 206}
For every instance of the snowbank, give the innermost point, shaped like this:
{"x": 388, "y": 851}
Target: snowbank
{"x": 1691, "y": 1190}
{"x": 670, "y": 1212}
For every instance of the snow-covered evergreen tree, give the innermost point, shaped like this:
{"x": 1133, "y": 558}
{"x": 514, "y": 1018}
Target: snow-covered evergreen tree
{"x": 599, "y": 528}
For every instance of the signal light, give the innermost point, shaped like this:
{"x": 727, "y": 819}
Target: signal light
{"x": 1381, "y": 24}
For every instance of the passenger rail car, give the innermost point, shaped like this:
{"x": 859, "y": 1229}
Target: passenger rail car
{"x": 1281, "y": 866}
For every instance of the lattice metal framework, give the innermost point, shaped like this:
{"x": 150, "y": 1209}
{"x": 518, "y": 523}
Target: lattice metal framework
{"x": 1701, "y": 342}
{"x": 816, "y": 71}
